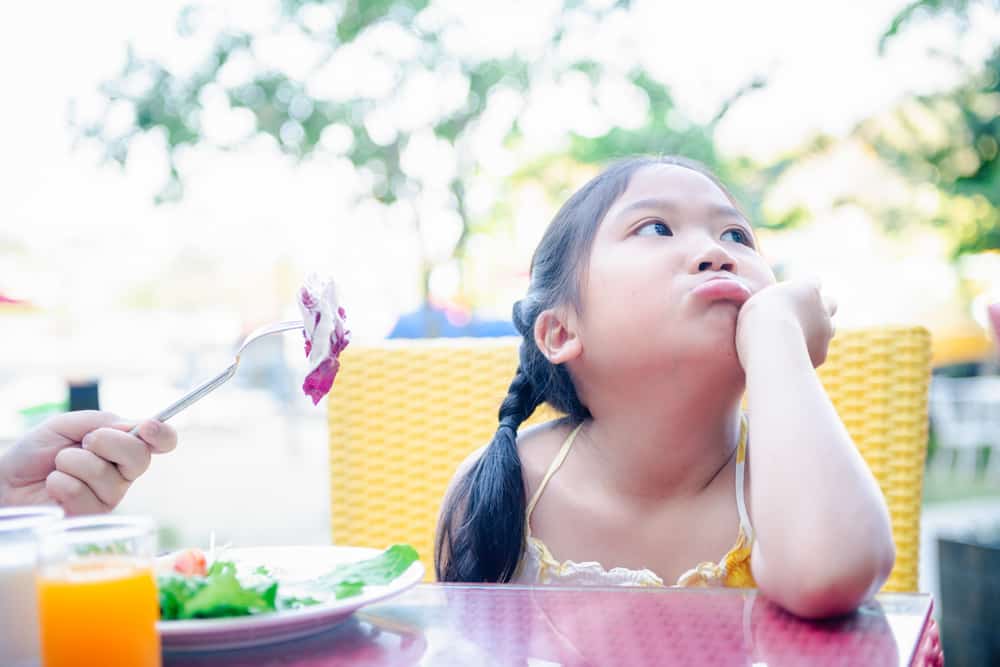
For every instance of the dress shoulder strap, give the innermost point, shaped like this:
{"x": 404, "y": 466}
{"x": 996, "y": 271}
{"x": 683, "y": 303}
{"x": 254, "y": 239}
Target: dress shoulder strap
{"x": 553, "y": 467}
{"x": 741, "y": 465}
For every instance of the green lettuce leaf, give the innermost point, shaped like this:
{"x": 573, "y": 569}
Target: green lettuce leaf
{"x": 350, "y": 579}
{"x": 220, "y": 593}
{"x": 174, "y": 591}
{"x": 291, "y": 602}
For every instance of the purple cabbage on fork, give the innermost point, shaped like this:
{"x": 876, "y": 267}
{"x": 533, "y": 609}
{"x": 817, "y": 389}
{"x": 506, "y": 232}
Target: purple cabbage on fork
{"x": 325, "y": 334}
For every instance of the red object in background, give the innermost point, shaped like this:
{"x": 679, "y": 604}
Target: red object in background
{"x": 9, "y": 304}
{"x": 436, "y": 624}
{"x": 191, "y": 562}
{"x": 993, "y": 310}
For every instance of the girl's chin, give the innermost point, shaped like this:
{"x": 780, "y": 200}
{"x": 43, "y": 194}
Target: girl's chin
{"x": 713, "y": 345}
{"x": 710, "y": 349}
{"x": 717, "y": 321}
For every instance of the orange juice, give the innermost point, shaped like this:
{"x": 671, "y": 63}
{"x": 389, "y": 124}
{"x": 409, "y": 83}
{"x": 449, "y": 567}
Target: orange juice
{"x": 99, "y": 612}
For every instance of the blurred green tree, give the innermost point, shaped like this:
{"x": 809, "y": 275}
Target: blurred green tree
{"x": 950, "y": 139}
{"x": 410, "y": 45}
{"x": 665, "y": 130}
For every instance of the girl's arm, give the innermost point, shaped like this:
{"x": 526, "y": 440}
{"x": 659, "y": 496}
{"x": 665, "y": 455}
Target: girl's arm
{"x": 823, "y": 537}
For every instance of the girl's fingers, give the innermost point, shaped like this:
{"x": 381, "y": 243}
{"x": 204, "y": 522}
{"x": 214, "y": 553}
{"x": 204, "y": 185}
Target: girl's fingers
{"x": 830, "y": 304}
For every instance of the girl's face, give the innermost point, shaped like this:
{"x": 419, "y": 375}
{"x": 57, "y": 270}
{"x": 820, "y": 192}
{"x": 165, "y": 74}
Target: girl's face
{"x": 671, "y": 264}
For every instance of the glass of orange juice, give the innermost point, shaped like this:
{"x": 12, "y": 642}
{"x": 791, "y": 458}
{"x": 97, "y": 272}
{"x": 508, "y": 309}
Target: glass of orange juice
{"x": 97, "y": 600}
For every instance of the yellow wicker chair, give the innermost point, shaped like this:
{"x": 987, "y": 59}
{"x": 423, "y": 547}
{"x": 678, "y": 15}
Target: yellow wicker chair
{"x": 404, "y": 414}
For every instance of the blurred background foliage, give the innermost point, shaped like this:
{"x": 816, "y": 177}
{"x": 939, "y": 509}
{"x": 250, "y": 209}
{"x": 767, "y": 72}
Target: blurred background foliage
{"x": 370, "y": 124}
{"x": 425, "y": 94}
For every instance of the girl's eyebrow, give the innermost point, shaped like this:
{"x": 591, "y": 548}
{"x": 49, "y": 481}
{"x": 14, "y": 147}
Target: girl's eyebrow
{"x": 661, "y": 203}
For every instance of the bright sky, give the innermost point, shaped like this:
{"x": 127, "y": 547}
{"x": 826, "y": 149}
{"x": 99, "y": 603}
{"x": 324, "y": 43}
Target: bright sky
{"x": 81, "y": 234}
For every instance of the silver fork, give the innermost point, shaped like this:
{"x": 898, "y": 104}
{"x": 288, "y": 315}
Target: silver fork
{"x": 207, "y": 387}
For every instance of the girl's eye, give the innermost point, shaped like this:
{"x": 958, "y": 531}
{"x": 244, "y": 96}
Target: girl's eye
{"x": 739, "y": 236}
{"x": 654, "y": 229}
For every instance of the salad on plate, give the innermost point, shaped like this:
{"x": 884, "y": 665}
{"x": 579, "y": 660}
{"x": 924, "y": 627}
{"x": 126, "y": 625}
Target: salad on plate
{"x": 191, "y": 587}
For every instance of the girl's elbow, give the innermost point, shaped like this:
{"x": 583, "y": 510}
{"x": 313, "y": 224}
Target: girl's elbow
{"x": 829, "y": 597}
{"x": 817, "y": 601}
{"x": 872, "y": 563}
{"x": 838, "y": 584}
{"x": 886, "y": 561}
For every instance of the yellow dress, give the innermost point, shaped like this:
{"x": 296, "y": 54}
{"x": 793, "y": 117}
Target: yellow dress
{"x": 538, "y": 566}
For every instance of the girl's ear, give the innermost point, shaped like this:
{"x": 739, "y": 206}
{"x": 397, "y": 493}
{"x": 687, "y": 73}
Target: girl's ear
{"x": 556, "y": 336}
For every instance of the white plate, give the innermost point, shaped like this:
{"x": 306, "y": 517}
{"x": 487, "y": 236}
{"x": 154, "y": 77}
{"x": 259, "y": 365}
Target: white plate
{"x": 290, "y": 566}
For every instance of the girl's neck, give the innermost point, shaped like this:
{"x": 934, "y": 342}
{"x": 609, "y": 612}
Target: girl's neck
{"x": 665, "y": 439}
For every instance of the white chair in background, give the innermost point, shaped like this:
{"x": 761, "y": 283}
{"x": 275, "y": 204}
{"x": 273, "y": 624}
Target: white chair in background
{"x": 965, "y": 415}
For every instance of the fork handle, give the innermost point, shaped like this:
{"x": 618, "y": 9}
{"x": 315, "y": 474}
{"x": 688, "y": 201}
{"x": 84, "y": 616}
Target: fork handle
{"x": 196, "y": 394}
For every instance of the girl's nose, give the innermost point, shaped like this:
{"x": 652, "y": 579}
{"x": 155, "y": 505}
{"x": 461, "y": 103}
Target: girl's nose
{"x": 713, "y": 257}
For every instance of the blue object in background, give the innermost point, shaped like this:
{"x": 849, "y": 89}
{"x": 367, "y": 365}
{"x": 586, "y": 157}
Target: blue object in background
{"x": 431, "y": 322}
{"x": 84, "y": 395}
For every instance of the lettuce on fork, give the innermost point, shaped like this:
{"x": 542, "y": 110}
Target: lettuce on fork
{"x": 326, "y": 336}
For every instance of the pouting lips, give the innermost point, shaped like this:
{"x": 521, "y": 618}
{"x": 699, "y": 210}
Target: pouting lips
{"x": 723, "y": 289}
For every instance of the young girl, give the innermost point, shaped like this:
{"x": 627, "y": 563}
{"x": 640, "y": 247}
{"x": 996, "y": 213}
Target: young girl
{"x": 649, "y": 315}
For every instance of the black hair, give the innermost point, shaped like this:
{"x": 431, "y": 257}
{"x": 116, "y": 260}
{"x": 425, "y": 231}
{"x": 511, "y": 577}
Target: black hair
{"x": 482, "y": 527}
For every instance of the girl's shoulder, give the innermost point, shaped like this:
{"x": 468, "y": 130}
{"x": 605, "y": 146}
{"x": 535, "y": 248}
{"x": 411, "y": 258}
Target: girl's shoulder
{"x": 538, "y": 446}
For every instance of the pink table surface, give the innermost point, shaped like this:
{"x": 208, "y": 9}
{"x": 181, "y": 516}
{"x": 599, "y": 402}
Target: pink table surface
{"x": 437, "y": 624}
